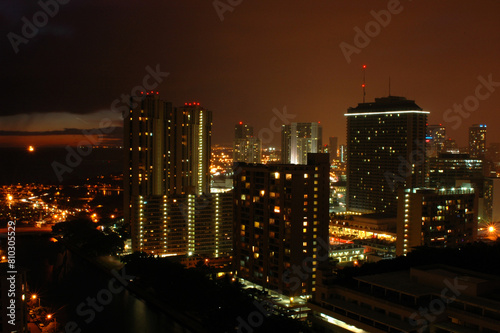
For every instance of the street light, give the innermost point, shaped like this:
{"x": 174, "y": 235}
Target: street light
{"x": 49, "y": 316}
{"x": 34, "y": 296}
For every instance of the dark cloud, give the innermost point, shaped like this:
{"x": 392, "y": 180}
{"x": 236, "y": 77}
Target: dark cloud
{"x": 112, "y": 132}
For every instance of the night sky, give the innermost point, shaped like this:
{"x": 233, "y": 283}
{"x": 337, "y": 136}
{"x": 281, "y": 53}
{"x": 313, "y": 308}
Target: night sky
{"x": 263, "y": 55}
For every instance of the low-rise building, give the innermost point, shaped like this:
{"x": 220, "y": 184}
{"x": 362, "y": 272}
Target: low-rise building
{"x": 434, "y": 298}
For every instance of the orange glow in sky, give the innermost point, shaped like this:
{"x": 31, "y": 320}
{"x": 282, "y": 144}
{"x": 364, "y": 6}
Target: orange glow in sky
{"x": 52, "y": 141}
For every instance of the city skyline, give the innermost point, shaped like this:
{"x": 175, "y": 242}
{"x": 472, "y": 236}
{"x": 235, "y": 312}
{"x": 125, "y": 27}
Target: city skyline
{"x": 242, "y": 78}
{"x": 239, "y": 166}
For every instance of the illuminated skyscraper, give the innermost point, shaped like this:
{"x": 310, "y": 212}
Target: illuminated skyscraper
{"x": 281, "y": 222}
{"x": 246, "y": 148}
{"x": 435, "y": 140}
{"x": 166, "y": 178}
{"x": 299, "y": 139}
{"x": 477, "y": 141}
{"x": 386, "y": 150}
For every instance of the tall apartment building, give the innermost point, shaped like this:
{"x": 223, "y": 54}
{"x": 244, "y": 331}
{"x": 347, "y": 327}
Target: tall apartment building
{"x": 246, "y": 148}
{"x": 299, "y": 139}
{"x": 386, "y": 150}
{"x": 281, "y": 224}
{"x": 446, "y": 169}
{"x": 477, "y": 141}
{"x": 489, "y": 204}
{"x": 450, "y": 146}
{"x": 167, "y": 196}
{"x": 333, "y": 144}
{"x": 436, "y": 217}
{"x": 435, "y": 140}
{"x": 343, "y": 153}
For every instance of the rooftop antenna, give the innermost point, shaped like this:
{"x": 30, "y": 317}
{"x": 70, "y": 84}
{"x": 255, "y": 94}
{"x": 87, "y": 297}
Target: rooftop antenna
{"x": 364, "y": 84}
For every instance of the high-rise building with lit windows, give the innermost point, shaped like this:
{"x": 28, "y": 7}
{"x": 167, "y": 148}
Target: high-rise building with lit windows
{"x": 386, "y": 150}
{"x": 435, "y": 140}
{"x": 246, "y": 148}
{"x": 477, "y": 141}
{"x": 281, "y": 223}
{"x": 446, "y": 169}
{"x": 299, "y": 139}
{"x": 444, "y": 217}
{"x": 167, "y": 196}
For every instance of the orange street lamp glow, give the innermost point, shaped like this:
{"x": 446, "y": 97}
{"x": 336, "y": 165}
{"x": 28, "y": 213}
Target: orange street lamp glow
{"x": 31, "y": 149}
{"x": 491, "y": 229}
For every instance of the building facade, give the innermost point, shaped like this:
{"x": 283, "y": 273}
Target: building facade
{"x": 477, "y": 141}
{"x": 421, "y": 299}
{"x": 489, "y": 204}
{"x": 443, "y": 217}
{"x": 386, "y": 150}
{"x": 299, "y": 139}
{"x": 333, "y": 148}
{"x": 246, "y": 148}
{"x": 435, "y": 140}
{"x": 446, "y": 169}
{"x": 167, "y": 196}
{"x": 281, "y": 224}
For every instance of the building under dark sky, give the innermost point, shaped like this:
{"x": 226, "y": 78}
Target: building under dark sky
{"x": 280, "y": 223}
{"x": 386, "y": 150}
{"x": 168, "y": 202}
{"x": 477, "y": 141}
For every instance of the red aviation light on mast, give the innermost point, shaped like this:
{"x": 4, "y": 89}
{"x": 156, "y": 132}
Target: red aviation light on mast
{"x": 364, "y": 83}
